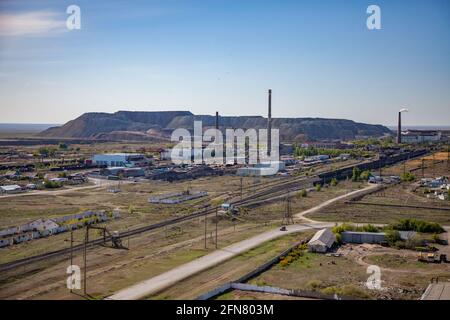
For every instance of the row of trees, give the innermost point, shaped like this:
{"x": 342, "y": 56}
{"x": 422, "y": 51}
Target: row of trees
{"x": 311, "y": 151}
{"x": 51, "y": 151}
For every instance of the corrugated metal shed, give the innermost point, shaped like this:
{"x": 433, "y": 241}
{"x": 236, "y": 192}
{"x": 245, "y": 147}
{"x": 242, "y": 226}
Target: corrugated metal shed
{"x": 363, "y": 237}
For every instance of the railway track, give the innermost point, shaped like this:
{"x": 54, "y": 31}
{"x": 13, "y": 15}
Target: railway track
{"x": 265, "y": 193}
{"x": 261, "y": 195}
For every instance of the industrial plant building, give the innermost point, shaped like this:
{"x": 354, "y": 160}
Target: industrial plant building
{"x": 363, "y": 237}
{"x": 418, "y": 136}
{"x": 262, "y": 169}
{"x": 121, "y": 160}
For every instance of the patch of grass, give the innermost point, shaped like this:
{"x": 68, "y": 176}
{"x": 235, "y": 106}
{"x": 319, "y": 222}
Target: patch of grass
{"x": 347, "y": 290}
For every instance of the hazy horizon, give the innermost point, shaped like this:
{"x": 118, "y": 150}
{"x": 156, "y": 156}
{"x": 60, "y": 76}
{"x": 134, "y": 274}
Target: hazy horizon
{"x": 319, "y": 58}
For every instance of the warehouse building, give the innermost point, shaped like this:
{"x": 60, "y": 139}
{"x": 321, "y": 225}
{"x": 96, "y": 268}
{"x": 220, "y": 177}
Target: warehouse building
{"x": 123, "y": 171}
{"x": 262, "y": 169}
{"x": 121, "y": 160}
{"x": 418, "y": 136}
{"x": 363, "y": 237}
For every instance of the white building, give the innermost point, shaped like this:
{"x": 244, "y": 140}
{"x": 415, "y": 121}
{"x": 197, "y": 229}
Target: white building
{"x": 321, "y": 241}
{"x": 262, "y": 169}
{"x": 121, "y": 160}
{"x": 418, "y": 136}
{"x": 14, "y": 188}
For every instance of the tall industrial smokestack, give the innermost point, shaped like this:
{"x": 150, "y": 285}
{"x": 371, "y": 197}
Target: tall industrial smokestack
{"x": 399, "y": 128}
{"x": 217, "y": 120}
{"x": 269, "y": 125}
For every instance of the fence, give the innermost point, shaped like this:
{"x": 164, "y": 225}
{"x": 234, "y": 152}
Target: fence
{"x": 254, "y": 273}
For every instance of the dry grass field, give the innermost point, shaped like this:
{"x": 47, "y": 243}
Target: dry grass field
{"x": 406, "y": 201}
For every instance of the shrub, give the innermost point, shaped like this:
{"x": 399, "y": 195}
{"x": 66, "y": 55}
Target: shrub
{"x": 338, "y": 238}
{"x": 365, "y": 175}
{"x": 355, "y": 174}
{"x": 393, "y": 237}
{"x": 62, "y": 174}
{"x": 418, "y": 226}
{"x": 436, "y": 238}
{"x": 333, "y": 182}
{"x": 314, "y": 284}
{"x": 303, "y": 193}
{"x": 343, "y": 227}
{"x": 51, "y": 184}
{"x": 63, "y": 146}
{"x": 407, "y": 177}
{"x": 351, "y": 227}
{"x": 318, "y": 187}
{"x": 370, "y": 228}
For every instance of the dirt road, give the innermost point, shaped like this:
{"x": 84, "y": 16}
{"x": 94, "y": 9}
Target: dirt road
{"x": 98, "y": 183}
{"x": 302, "y": 214}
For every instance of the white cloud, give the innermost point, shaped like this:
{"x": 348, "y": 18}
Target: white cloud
{"x": 37, "y": 23}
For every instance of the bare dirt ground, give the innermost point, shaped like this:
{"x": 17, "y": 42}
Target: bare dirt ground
{"x": 246, "y": 295}
{"x": 347, "y": 274}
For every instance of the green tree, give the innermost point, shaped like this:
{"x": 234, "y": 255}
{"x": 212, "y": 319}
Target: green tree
{"x": 356, "y": 174}
{"x": 392, "y": 236}
{"x": 63, "y": 146}
{"x": 302, "y": 193}
{"x": 408, "y": 177}
{"x": 318, "y": 187}
{"x": 365, "y": 175}
{"x": 62, "y": 174}
{"x": 43, "y": 151}
{"x": 333, "y": 182}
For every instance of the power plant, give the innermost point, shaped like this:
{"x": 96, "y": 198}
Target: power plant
{"x": 399, "y": 127}
{"x": 217, "y": 120}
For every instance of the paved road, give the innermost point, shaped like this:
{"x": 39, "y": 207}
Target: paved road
{"x": 158, "y": 283}
{"x": 437, "y": 291}
{"x": 169, "y": 278}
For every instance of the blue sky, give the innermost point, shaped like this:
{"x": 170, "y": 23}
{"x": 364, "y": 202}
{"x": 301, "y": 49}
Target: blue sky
{"x": 318, "y": 57}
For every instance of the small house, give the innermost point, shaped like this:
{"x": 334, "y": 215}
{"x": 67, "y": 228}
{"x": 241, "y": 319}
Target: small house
{"x": 322, "y": 241}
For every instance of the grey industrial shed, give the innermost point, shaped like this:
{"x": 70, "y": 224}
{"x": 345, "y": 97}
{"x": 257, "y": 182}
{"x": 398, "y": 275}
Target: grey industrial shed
{"x": 363, "y": 237}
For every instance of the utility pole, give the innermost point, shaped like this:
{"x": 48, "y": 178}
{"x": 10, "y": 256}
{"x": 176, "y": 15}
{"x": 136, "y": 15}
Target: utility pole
{"x": 423, "y": 167}
{"x": 217, "y": 221}
{"x": 71, "y": 254}
{"x": 448, "y": 157}
{"x": 287, "y": 218}
{"x": 241, "y": 188}
{"x": 434, "y": 171}
{"x": 205, "y": 230}
{"x": 380, "y": 165}
{"x": 86, "y": 239}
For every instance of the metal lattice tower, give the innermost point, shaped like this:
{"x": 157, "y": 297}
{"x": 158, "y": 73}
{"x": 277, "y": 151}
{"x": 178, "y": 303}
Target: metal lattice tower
{"x": 287, "y": 218}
